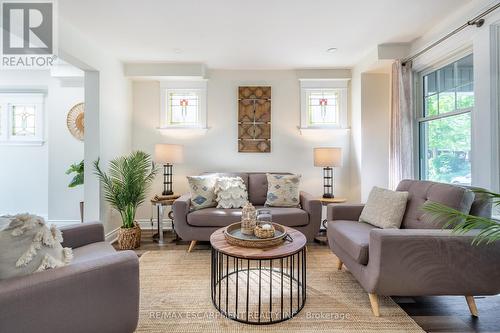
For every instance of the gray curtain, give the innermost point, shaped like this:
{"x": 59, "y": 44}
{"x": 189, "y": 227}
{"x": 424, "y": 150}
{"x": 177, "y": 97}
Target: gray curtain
{"x": 401, "y": 143}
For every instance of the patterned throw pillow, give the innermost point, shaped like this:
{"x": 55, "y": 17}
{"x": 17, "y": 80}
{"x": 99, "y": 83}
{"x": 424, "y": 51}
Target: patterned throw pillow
{"x": 384, "y": 208}
{"x": 202, "y": 191}
{"x": 230, "y": 192}
{"x": 283, "y": 190}
{"x": 28, "y": 245}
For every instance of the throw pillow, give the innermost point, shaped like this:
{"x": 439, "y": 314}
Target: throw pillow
{"x": 384, "y": 208}
{"x": 202, "y": 190}
{"x": 283, "y": 190}
{"x": 230, "y": 192}
{"x": 28, "y": 245}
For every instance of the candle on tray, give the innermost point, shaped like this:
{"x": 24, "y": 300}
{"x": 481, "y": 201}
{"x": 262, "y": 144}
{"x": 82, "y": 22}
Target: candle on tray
{"x": 266, "y": 226}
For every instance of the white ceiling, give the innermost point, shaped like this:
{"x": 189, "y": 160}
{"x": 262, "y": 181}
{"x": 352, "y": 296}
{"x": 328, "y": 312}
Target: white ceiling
{"x": 257, "y": 34}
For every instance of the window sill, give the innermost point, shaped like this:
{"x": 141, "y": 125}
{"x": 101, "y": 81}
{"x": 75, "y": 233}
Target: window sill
{"x": 321, "y": 130}
{"x": 22, "y": 143}
{"x": 187, "y": 131}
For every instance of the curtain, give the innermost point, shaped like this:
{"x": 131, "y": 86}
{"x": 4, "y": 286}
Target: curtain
{"x": 401, "y": 150}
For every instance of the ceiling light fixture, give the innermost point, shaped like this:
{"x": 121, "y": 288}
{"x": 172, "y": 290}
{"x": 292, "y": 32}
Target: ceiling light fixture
{"x": 331, "y": 50}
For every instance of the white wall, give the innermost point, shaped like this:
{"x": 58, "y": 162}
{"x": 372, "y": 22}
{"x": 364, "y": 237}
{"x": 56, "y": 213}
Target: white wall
{"x": 24, "y": 169}
{"x": 32, "y": 177}
{"x": 64, "y": 150}
{"x": 217, "y": 149}
{"x": 110, "y": 133}
{"x": 375, "y": 125}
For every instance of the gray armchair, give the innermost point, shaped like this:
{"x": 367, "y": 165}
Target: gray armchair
{"x": 97, "y": 292}
{"x": 420, "y": 258}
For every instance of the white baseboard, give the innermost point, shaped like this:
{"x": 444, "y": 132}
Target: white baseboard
{"x": 145, "y": 224}
{"x": 112, "y": 236}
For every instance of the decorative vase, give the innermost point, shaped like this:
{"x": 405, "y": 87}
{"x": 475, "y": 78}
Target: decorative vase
{"x": 129, "y": 238}
{"x": 248, "y": 219}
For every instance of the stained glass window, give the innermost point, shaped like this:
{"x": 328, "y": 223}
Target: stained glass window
{"x": 23, "y": 120}
{"x": 323, "y": 107}
{"x": 183, "y": 107}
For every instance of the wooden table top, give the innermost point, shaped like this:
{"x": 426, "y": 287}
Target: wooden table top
{"x": 332, "y": 200}
{"x": 165, "y": 200}
{"x": 218, "y": 242}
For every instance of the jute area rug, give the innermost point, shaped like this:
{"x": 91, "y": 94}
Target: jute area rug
{"x": 175, "y": 297}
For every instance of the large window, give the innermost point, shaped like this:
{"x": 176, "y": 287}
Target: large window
{"x": 323, "y": 104}
{"x": 21, "y": 118}
{"x": 183, "y": 104}
{"x": 447, "y": 100}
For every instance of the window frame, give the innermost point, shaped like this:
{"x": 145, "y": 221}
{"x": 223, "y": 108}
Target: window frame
{"x": 8, "y": 100}
{"x": 310, "y": 85}
{"x": 198, "y": 86}
{"x": 420, "y": 112}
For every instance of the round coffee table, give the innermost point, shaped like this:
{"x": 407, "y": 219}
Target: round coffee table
{"x": 259, "y": 286}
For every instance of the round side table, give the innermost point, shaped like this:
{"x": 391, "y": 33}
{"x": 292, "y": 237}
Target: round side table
{"x": 321, "y": 238}
{"x": 258, "y": 286}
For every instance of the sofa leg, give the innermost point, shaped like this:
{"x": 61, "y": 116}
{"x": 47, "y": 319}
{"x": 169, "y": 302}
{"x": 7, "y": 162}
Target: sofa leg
{"x": 339, "y": 265}
{"x": 374, "y": 304}
{"x": 192, "y": 245}
{"x": 472, "y": 305}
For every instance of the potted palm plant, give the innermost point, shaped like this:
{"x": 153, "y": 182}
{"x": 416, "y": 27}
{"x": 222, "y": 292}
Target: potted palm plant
{"x": 462, "y": 223}
{"x": 77, "y": 180}
{"x": 125, "y": 187}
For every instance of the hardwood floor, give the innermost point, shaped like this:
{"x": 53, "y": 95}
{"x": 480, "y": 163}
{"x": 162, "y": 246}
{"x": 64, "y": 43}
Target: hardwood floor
{"x": 433, "y": 314}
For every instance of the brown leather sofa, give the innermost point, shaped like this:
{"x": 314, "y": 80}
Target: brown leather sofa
{"x": 420, "y": 258}
{"x": 200, "y": 224}
{"x": 97, "y": 292}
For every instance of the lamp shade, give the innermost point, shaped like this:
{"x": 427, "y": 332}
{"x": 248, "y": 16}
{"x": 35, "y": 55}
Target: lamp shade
{"x": 328, "y": 157}
{"x": 168, "y": 154}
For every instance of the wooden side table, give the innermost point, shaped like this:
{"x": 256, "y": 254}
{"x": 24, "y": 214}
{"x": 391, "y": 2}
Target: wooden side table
{"x": 321, "y": 238}
{"x": 160, "y": 202}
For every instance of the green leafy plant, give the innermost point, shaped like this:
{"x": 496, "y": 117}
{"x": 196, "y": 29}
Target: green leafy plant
{"x": 76, "y": 168}
{"x": 462, "y": 223}
{"x": 126, "y": 183}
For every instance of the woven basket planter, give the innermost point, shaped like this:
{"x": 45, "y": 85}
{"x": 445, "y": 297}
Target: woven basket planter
{"x": 129, "y": 238}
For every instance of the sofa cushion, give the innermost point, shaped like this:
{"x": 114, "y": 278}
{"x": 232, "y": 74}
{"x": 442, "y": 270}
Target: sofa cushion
{"x": 217, "y": 217}
{"x": 231, "y": 192}
{"x": 353, "y": 237}
{"x": 283, "y": 190}
{"x": 384, "y": 208}
{"x": 202, "y": 189}
{"x": 242, "y": 175}
{"x": 422, "y": 191}
{"x": 257, "y": 188}
{"x": 28, "y": 245}
{"x": 92, "y": 251}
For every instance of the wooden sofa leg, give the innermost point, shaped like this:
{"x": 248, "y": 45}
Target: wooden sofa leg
{"x": 192, "y": 245}
{"x": 472, "y": 305}
{"x": 374, "y": 304}
{"x": 339, "y": 265}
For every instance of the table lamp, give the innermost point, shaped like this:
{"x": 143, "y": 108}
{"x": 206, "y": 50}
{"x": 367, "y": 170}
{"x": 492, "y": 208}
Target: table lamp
{"x": 328, "y": 157}
{"x": 168, "y": 155}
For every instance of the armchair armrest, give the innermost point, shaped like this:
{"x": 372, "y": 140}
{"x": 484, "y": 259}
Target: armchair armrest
{"x": 432, "y": 262}
{"x": 309, "y": 203}
{"x": 100, "y": 295}
{"x": 181, "y": 208}
{"x": 344, "y": 212}
{"x": 77, "y": 235}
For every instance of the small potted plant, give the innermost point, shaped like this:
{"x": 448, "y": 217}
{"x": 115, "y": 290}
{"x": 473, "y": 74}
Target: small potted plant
{"x": 125, "y": 187}
{"x": 77, "y": 169}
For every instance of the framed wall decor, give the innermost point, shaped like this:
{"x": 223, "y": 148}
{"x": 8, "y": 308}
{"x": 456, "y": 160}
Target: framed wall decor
{"x": 254, "y": 119}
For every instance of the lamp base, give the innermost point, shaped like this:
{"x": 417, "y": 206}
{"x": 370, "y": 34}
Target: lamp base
{"x": 328, "y": 196}
{"x": 167, "y": 193}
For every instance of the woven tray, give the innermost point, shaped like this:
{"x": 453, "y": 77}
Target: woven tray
{"x": 233, "y": 235}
